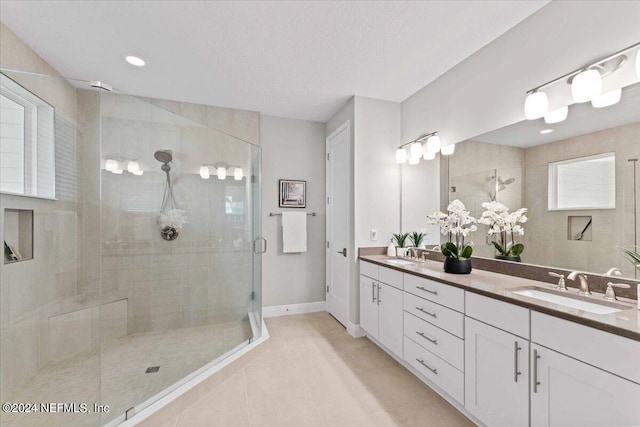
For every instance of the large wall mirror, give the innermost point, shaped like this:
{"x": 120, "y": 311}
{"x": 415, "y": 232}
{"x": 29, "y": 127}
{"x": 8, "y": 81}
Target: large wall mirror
{"x": 578, "y": 180}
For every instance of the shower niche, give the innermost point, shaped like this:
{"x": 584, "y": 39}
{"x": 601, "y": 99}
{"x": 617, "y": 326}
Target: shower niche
{"x": 18, "y": 235}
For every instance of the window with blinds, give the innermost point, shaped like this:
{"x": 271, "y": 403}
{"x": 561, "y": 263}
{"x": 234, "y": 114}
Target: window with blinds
{"x": 27, "y": 159}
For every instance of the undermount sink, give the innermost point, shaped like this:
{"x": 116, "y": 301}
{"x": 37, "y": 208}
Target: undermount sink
{"x": 399, "y": 262}
{"x": 570, "y": 301}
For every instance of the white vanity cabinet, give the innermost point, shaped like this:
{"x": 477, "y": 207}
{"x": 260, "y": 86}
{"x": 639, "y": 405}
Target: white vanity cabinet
{"x": 590, "y": 378}
{"x": 496, "y": 362}
{"x": 567, "y": 392}
{"x": 381, "y": 305}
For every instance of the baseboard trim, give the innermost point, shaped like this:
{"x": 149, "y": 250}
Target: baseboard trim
{"x": 355, "y": 331}
{"x": 283, "y": 310}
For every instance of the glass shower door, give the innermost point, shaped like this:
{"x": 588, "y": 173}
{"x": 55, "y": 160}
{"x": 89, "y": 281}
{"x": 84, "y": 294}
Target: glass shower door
{"x": 180, "y": 204}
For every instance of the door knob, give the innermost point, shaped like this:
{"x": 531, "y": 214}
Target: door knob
{"x": 343, "y": 252}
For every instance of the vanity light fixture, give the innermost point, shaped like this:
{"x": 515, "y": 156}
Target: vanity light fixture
{"x": 556, "y": 116}
{"x": 586, "y": 85}
{"x": 117, "y": 171}
{"x": 204, "y": 172}
{"x": 433, "y": 143}
{"x": 536, "y": 105}
{"x": 415, "y": 151}
{"x": 138, "y": 173}
{"x": 401, "y": 155}
{"x": 607, "y": 99}
{"x": 222, "y": 173}
{"x": 545, "y": 131}
{"x": 237, "y": 174}
{"x": 447, "y": 150}
{"x": 135, "y": 60}
{"x": 418, "y": 150}
{"x": 429, "y": 155}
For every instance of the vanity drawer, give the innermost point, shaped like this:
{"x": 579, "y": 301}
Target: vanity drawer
{"x": 610, "y": 352}
{"x": 441, "y": 343}
{"x": 446, "y": 295}
{"x": 445, "y": 376}
{"x": 502, "y": 315}
{"x": 390, "y": 277}
{"x": 369, "y": 269}
{"x": 436, "y": 314}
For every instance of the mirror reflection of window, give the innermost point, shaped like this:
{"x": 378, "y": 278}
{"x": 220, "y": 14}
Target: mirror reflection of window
{"x": 583, "y": 183}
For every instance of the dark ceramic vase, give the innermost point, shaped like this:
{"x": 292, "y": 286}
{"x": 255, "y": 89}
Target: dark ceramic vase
{"x": 509, "y": 258}
{"x": 456, "y": 266}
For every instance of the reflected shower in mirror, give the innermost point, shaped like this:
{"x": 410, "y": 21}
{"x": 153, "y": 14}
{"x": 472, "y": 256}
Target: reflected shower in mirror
{"x": 574, "y": 177}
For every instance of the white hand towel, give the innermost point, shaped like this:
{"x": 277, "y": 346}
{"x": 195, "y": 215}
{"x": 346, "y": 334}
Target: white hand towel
{"x": 294, "y": 232}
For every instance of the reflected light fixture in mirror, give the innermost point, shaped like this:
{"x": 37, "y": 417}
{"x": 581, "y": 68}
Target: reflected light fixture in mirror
{"x": 607, "y": 99}
{"x": 557, "y": 115}
{"x": 586, "y": 85}
{"x": 447, "y": 150}
{"x": 222, "y": 173}
{"x": 546, "y": 131}
{"x": 133, "y": 166}
{"x": 237, "y": 174}
{"x": 536, "y": 105}
{"x": 204, "y": 172}
{"x": 111, "y": 165}
{"x": 401, "y": 155}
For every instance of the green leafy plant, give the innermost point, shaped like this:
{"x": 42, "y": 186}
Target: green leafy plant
{"x": 505, "y": 226}
{"x": 456, "y": 224}
{"x": 634, "y": 257}
{"x": 401, "y": 239}
{"x": 416, "y": 238}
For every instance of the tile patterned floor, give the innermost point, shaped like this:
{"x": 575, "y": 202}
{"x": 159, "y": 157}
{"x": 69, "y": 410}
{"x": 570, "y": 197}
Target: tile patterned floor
{"x": 312, "y": 373}
{"x": 116, "y": 375}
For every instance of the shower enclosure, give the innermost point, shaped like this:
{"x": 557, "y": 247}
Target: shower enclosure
{"x": 146, "y": 260}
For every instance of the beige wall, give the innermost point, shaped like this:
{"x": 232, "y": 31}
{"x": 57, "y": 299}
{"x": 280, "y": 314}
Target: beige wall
{"x": 546, "y": 241}
{"x": 293, "y": 149}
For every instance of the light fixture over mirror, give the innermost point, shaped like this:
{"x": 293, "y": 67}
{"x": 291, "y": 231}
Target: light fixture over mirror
{"x": 607, "y": 99}
{"x": 418, "y": 150}
{"x": 556, "y": 116}
{"x": 204, "y": 172}
{"x": 447, "y": 150}
{"x": 536, "y": 105}
{"x": 586, "y": 84}
{"x": 237, "y": 174}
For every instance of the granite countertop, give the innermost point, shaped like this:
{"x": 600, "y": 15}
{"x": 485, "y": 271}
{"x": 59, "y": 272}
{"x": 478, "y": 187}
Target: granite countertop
{"x": 625, "y": 323}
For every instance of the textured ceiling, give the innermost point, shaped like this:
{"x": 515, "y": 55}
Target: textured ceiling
{"x": 292, "y": 59}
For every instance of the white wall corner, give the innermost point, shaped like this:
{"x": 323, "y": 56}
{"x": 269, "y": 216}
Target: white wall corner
{"x": 355, "y": 330}
{"x": 283, "y": 310}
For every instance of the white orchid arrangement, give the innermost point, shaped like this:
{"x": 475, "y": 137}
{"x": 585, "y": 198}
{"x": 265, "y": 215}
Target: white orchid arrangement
{"x": 173, "y": 218}
{"x": 456, "y": 224}
{"x": 506, "y": 226}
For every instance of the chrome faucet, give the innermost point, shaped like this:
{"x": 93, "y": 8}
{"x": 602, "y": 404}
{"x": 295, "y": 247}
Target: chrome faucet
{"x": 615, "y": 271}
{"x": 584, "y": 286}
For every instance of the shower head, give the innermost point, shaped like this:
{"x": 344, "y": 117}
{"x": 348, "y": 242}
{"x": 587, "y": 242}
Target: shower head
{"x": 163, "y": 156}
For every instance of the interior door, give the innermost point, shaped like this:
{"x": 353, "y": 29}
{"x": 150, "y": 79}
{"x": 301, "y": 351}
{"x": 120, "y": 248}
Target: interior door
{"x": 338, "y": 222}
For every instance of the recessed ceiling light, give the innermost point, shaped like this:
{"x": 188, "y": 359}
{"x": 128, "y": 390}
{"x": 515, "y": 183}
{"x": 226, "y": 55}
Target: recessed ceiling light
{"x": 546, "y": 131}
{"x": 134, "y": 60}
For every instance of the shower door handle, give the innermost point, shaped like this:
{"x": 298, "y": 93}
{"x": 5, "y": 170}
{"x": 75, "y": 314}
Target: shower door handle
{"x": 263, "y": 246}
